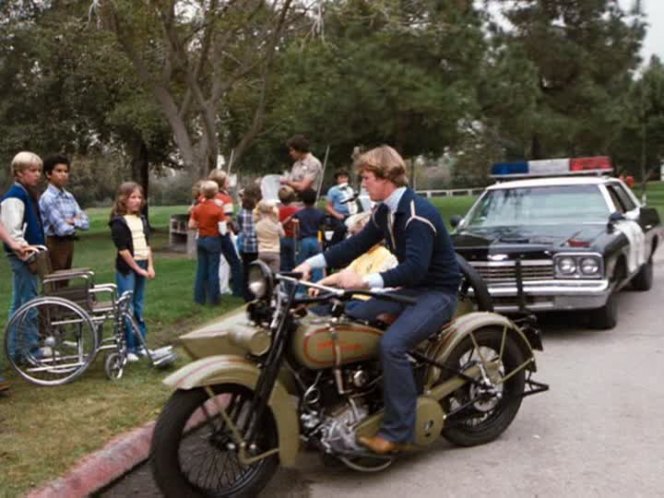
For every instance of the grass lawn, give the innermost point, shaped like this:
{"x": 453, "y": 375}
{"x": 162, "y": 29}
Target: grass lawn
{"x": 43, "y": 431}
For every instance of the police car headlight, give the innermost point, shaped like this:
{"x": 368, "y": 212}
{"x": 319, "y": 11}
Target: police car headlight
{"x": 566, "y": 265}
{"x": 589, "y": 266}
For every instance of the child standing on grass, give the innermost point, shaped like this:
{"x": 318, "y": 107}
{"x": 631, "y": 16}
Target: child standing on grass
{"x": 310, "y": 220}
{"x": 206, "y": 217}
{"x": 268, "y": 232}
{"x": 133, "y": 264}
{"x": 247, "y": 231}
{"x": 227, "y": 246}
{"x": 286, "y": 211}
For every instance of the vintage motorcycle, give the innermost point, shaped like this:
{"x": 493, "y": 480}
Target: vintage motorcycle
{"x": 275, "y": 377}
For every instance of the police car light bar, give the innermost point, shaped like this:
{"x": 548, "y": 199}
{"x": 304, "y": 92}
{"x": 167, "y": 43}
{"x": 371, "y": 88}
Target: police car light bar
{"x": 552, "y": 167}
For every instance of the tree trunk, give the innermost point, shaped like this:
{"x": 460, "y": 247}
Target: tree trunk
{"x": 140, "y": 167}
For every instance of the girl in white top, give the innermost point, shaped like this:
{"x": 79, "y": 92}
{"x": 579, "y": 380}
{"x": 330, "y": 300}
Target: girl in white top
{"x": 268, "y": 232}
{"x": 133, "y": 264}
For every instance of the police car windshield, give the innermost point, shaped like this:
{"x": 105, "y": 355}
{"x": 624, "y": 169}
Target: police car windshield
{"x": 539, "y": 206}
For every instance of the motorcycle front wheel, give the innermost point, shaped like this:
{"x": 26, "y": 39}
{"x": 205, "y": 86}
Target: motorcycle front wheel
{"x": 193, "y": 450}
{"x": 478, "y": 415}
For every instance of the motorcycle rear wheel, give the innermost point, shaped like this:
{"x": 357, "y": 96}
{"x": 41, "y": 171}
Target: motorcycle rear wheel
{"x": 486, "y": 419}
{"x": 193, "y": 453}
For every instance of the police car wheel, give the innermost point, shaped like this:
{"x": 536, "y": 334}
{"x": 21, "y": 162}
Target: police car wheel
{"x": 642, "y": 281}
{"x": 606, "y": 317}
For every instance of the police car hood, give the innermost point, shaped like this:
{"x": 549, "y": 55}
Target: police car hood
{"x": 541, "y": 236}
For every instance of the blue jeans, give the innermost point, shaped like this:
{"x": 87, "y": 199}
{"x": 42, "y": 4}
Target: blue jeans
{"x": 133, "y": 282}
{"x": 415, "y": 323}
{"x": 25, "y": 285}
{"x": 287, "y": 251}
{"x": 309, "y": 246}
{"x": 208, "y": 252}
{"x": 229, "y": 252}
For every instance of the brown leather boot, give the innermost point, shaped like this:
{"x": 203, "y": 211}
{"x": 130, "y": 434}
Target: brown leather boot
{"x": 381, "y": 446}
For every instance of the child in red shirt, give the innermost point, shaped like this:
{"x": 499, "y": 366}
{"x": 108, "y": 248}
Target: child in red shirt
{"x": 206, "y": 217}
{"x": 286, "y": 212}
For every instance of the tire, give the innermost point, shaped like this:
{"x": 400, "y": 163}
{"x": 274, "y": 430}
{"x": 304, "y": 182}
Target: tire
{"x": 606, "y": 317}
{"x": 179, "y": 459}
{"x": 471, "y": 279}
{"x": 484, "y": 420}
{"x": 50, "y": 341}
{"x": 114, "y": 366}
{"x": 642, "y": 281}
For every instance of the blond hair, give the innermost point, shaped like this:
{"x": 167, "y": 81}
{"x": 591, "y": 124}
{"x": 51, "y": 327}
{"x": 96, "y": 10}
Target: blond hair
{"x": 23, "y": 160}
{"x": 209, "y": 189}
{"x": 286, "y": 194}
{"x": 384, "y": 162}
{"x": 219, "y": 176}
{"x": 266, "y": 209}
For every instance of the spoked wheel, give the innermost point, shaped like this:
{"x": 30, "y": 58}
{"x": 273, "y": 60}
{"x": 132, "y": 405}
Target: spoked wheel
{"x": 50, "y": 341}
{"x": 479, "y": 414}
{"x": 473, "y": 293}
{"x": 194, "y": 452}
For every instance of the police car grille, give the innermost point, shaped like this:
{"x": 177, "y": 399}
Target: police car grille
{"x": 505, "y": 271}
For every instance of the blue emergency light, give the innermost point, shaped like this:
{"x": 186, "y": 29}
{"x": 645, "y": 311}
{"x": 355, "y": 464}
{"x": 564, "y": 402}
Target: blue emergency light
{"x": 551, "y": 167}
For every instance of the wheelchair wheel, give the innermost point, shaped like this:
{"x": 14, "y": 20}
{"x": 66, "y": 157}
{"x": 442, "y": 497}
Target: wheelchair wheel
{"x": 50, "y": 341}
{"x": 114, "y": 366}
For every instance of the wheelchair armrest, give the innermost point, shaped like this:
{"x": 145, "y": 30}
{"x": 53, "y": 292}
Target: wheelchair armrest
{"x": 111, "y": 289}
{"x": 65, "y": 275}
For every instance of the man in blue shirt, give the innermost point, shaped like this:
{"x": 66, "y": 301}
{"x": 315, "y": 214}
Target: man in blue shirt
{"x": 61, "y": 214}
{"x": 340, "y": 205}
{"x": 427, "y": 271}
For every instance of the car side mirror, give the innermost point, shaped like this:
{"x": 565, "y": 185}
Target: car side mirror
{"x": 616, "y": 216}
{"x": 455, "y": 219}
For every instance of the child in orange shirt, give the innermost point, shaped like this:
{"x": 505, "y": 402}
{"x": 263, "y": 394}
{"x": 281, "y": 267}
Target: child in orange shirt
{"x": 206, "y": 217}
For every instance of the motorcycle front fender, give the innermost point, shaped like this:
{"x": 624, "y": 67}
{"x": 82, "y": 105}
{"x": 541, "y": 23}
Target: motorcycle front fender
{"x": 463, "y": 327}
{"x": 231, "y": 369}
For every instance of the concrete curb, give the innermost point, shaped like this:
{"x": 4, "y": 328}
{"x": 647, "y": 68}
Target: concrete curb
{"x": 102, "y": 467}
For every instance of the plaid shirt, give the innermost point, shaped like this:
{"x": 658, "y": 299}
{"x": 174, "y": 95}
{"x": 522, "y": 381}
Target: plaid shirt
{"x": 56, "y": 206}
{"x": 245, "y": 221}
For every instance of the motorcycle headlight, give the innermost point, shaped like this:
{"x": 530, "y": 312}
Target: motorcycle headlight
{"x": 260, "y": 280}
{"x": 566, "y": 265}
{"x": 589, "y": 266}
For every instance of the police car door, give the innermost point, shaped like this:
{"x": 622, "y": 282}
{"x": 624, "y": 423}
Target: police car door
{"x": 630, "y": 226}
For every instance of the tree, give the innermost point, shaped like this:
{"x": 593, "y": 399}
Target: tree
{"x": 582, "y": 56}
{"x": 383, "y": 71}
{"x": 190, "y": 54}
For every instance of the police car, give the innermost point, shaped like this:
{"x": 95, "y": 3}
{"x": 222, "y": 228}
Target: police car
{"x": 549, "y": 236}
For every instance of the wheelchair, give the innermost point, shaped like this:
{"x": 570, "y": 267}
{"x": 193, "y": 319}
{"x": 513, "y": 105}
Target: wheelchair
{"x": 54, "y": 338}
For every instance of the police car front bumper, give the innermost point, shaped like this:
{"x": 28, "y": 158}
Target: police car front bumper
{"x": 552, "y": 295}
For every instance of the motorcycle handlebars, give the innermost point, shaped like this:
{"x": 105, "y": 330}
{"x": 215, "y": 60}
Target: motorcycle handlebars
{"x": 386, "y": 294}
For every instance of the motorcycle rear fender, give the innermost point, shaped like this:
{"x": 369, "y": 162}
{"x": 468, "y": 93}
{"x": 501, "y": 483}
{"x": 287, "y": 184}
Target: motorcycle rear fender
{"x": 230, "y": 369}
{"x": 463, "y": 326}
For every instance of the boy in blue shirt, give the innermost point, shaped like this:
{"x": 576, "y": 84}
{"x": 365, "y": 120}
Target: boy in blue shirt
{"x": 340, "y": 205}
{"x": 61, "y": 213}
{"x": 309, "y": 221}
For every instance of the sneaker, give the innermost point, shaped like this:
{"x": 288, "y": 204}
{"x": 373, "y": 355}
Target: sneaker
{"x": 142, "y": 352}
{"x": 4, "y": 385}
{"x": 132, "y": 357}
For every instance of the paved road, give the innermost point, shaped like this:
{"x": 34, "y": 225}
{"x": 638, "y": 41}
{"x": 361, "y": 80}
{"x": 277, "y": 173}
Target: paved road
{"x": 597, "y": 432}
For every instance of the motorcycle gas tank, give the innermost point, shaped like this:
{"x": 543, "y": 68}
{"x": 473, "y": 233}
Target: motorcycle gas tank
{"x": 313, "y": 344}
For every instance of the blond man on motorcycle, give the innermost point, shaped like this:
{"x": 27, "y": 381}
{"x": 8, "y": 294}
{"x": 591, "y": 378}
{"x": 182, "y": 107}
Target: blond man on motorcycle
{"x": 414, "y": 231}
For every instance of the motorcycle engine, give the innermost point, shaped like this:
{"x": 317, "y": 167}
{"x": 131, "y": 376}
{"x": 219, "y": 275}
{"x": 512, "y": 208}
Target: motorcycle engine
{"x": 338, "y": 429}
